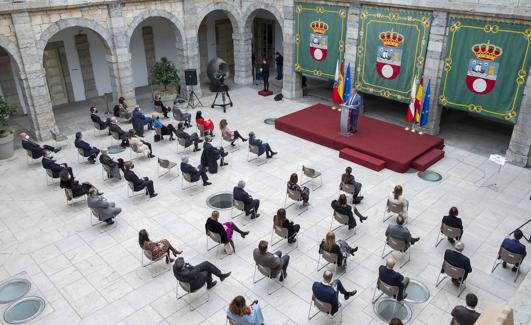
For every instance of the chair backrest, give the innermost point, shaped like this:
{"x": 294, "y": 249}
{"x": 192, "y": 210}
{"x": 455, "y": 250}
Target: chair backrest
{"x": 176, "y": 114}
{"x": 158, "y": 108}
{"x": 451, "y": 232}
{"x": 231, "y": 322}
{"x": 282, "y": 232}
{"x": 187, "y": 177}
{"x": 29, "y": 153}
{"x": 115, "y": 135}
{"x": 186, "y": 286}
{"x": 389, "y": 290}
{"x": 454, "y": 322}
{"x": 310, "y": 172}
{"x": 226, "y": 137}
{"x": 341, "y": 218}
{"x": 158, "y": 131}
{"x": 95, "y": 213}
{"x": 81, "y": 152}
{"x": 294, "y": 195}
{"x": 395, "y": 207}
{"x": 264, "y": 270}
{"x": 49, "y": 172}
{"x": 453, "y": 271}
{"x": 397, "y": 244}
{"x": 348, "y": 188}
{"x": 201, "y": 129}
{"x": 131, "y": 186}
{"x": 164, "y": 163}
{"x": 136, "y": 148}
{"x": 107, "y": 168}
{"x": 69, "y": 195}
{"x": 97, "y": 125}
{"x": 322, "y": 306}
{"x": 329, "y": 257}
{"x": 254, "y": 149}
{"x": 214, "y": 236}
{"x": 54, "y": 135}
{"x": 510, "y": 257}
{"x": 149, "y": 255}
{"x": 182, "y": 141}
{"x": 240, "y": 205}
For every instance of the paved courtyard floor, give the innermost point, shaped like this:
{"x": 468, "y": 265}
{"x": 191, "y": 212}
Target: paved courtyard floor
{"x": 93, "y": 274}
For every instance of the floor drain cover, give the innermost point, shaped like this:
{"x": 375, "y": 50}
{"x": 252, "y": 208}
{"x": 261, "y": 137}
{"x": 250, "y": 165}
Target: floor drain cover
{"x": 411, "y": 171}
{"x": 115, "y": 149}
{"x": 417, "y": 292}
{"x": 221, "y": 200}
{"x": 430, "y": 176}
{"x": 270, "y": 121}
{"x": 13, "y": 290}
{"x": 24, "y": 310}
{"x": 387, "y": 309}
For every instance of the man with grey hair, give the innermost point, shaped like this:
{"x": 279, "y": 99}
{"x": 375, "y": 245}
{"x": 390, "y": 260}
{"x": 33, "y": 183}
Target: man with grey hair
{"x": 400, "y": 232}
{"x": 262, "y": 146}
{"x": 251, "y": 205}
{"x": 195, "y": 173}
{"x": 456, "y": 258}
{"x": 105, "y": 210}
{"x": 393, "y": 278}
{"x": 210, "y": 156}
{"x": 328, "y": 291}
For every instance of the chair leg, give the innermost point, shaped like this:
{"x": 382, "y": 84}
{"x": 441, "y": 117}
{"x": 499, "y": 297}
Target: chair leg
{"x": 394, "y": 308}
{"x": 374, "y": 294}
{"x": 383, "y": 251}
{"x": 495, "y": 265}
{"x": 409, "y": 257}
{"x": 437, "y": 242}
{"x": 517, "y": 271}
{"x": 310, "y": 310}
{"x": 254, "y": 276}
{"x": 437, "y": 282}
{"x": 462, "y": 287}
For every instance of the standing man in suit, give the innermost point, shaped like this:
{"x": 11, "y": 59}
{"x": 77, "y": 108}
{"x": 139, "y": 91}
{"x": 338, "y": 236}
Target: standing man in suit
{"x": 276, "y": 261}
{"x": 264, "y": 69}
{"x": 189, "y": 139}
{"x": 122, "y": 135}
{"x": 467, "y": 315}
{"x": 280, "y": 64}
{"x": 197, "y": 275}
{"x": 138, "y": 183}
{"x": 88, "y": 150}
{"x": 37, "y": 151}
{"x": 96, "y": 119}
{"x": 514, "y": 246}
{"x": 354, "y": 105}
{"x": 49, "y": 163}
{"x": 262, "y": 147}
{"x": 195, "y": 173}
{"x": 398, "y": 231}
{"x": 393, "y": 278}
{"x": 457, "y": 259}
{"x": 328, "y": 291}
{"x": 106, "y": 211}
{"x": 251, "y": 205}
{"x": 451, "y": 220}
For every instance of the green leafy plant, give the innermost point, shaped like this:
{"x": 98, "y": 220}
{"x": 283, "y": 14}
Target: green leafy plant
{"x": 6, "y": 110}
{"x": 165, "y": 73}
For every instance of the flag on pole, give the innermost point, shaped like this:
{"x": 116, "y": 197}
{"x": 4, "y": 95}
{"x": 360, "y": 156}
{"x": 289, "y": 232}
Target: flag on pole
{"x": 335, "y": 94}
{"x": 341, "y": 83}
{"x": 426, "y": 106}
{"x": 418, "y": 100}
{"x": 346, "y": 90}
{"x": 410, "y": 115}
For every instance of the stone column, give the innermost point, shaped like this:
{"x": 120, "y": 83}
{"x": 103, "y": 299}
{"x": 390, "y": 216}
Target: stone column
{"x": 292, "y": 81}
{"x": 351, "y": 41}
{"x": 519, "y": 152}
{"x": 191, "y": 47}
{"x": 243, "y": 74}
{"x": 33, "y": 78}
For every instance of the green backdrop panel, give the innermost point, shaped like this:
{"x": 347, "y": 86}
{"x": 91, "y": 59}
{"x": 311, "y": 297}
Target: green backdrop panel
{"x": 485, "y": 67}
{"x": 391, "y": 51}
{"x": 320, "y": 38}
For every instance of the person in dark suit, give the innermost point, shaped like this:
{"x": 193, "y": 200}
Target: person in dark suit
{"x": 78, "y": 189}
{"x": 340, "y": 206}
{"x": 121, "y": 133}
{"x": 163, "y": 108}
{"x": 457, "y": 259}
{"x": 197, "y": 275}
{"x": 279, "y": 60}
{"x": 224, "y": 230}
{"x": 451, "y": 220}
{"x": 514, "y": 246}
{"x": 146, "y": 120}
{"x": 281, "y": 221}
{"x": 114, "y": 166}
{"x": 262, "y": 147}
{"x": 196, "y": 173}
{"x": 467, "y": 315}
{"x": 188, "y": 138}
{"x": 88, "y": 150}
{"x": 210, "y": 156}
{"x": 250, "y": 205}
{"x": 96, "y": 119}
{"x": 138, "y": 183}
{"x": 393, "y": 278}
{"x": 276, "y": 261}
{"x": 398, "y": 231}
{"x": 49, "y": 163}
{"x": 37, "y": 151}
{"x": 264, "y": 69}
{"x": 328, "y": 291}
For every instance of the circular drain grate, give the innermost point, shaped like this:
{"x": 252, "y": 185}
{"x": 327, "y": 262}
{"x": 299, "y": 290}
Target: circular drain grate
{"x": 430, "y": 176}
{"x": 411, "y": 171}
{"x": 220, "y": 200}
{"x": 24, "y": 310}
{"x": 387, "y": 309}
{"x": 14, "y": 289}
{"x": 270, "y": 121}
{"x": 417, "y": 292}
{"x": 115, "y": 149}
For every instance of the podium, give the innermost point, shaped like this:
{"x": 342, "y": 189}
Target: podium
{"x": 347, "y": 114}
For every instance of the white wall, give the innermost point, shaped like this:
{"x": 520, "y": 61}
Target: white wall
{"x": 100, "y": 67}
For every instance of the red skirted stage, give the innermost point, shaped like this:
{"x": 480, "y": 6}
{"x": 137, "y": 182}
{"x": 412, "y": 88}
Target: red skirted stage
{"x": 376, "y": 145}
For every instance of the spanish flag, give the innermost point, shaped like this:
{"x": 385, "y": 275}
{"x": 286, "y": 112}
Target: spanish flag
{"x": 337, "y": 97}
{"x": 341, "y": 83}
{"x": 418, "y": 101}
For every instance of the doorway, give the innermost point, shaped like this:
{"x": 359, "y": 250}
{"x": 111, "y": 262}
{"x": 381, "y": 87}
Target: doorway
{"x": 57, "y": 75}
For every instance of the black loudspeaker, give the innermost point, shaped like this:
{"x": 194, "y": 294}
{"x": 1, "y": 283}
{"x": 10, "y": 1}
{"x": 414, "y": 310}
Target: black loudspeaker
{"x": 190, "y": 77}
{"x": 278, "y": 97}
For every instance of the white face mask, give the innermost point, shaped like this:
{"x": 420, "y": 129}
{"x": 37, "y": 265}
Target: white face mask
{"x": 26, "y": 137}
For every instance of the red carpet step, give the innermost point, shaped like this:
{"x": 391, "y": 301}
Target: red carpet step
{"x": 426, "y": 160}
{"x": 362, "y": 159}
{"x": 265, "y": 93}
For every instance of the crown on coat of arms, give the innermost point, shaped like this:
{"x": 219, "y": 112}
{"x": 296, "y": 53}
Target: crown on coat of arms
{"x": 319, "y": 27}
{"x": 391, "y": 39}
{"x": 487, "y": 51}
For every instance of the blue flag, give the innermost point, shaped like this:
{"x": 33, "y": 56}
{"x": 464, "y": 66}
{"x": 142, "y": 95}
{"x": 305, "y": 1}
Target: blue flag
{"x": 426, "y": 106}
{"x": 346, "y": 88}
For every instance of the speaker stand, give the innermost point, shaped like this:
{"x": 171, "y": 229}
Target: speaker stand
{"x": 193, "y": 100}
{"x": 224, "y": 104}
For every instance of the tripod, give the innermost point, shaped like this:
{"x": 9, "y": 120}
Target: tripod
{"x": 193, "y": 100}
{"x": 224, "y": 91}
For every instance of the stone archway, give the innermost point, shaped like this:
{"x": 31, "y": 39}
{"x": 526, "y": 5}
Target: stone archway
{"x": 12, "y": 85}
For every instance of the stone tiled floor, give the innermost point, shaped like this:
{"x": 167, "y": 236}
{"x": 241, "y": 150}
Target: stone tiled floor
{"x": 92, "y": 274}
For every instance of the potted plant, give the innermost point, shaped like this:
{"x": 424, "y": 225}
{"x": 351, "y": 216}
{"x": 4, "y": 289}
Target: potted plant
{"x": 165, "y": 73}
{"x": 6, "y": 133}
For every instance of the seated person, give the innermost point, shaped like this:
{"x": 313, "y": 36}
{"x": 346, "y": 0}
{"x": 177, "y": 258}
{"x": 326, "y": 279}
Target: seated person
{"x": 250, "y": 205}
{"x": 276, "y": 261}
{"x": 208, "y": 126}
{"x": 37, "y": 151}
{"x": 451, "y": 220}
{"x": 163, "y": 108}
{"x": 122, "y": 135}
{"x": 467, "y": 315}
{"x": 141, "y": 145}
{"x": 157, "y": 249}
{"x": 49, "y": 163}
{"x": 189, "y": 139}
{"x": 348, "y": 178}
{"x": 328, "y": 291}
{"x": 106, "y": 211}
{"x": 68, "y": 182}
{"x": 185, "y": 116}
{"x": 88, "y": 150}
{"x": 195, "y": 173}
{"x": 94, "y": 117}
{"x": 224, "y": 230}
{"x": 197, "y": 275}
{"x": 164, "y": 129}
{"x": 457, "y": 259}
{"x": 341, "y": 248}
{"x": 396, "y": 197}
{"x": 228, "y": 134}
{"x": 210, "y": 156}
{"x": 123, "y": 109}
{"x": 340, "y": 206}
{"x": 393, "y": 278}
{"x": 304, "y": 191}
{"x": 398, "y": 231}
{"x": 114, "y": 167}
{"x": 514, "y": 246}
{"x": 262, "y": 147}
{"x": 241, "y": 314}
{"x": 138, "y": 184}
{"x": 139, "y": 120}
{"x": 281, "y": 221}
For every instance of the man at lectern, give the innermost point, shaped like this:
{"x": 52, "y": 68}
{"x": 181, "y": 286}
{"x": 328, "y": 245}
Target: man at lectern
{"x": 354, "y": 105}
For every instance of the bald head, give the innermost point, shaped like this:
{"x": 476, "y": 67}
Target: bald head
{"x": 23, "y": 135}
{"x": 459, "y": 246}
{"x": 184, "y": 159}
{"x": 390, "y": 262}
{"x": 327, "y": 276}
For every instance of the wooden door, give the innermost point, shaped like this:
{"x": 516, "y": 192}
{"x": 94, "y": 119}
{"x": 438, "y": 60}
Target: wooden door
{"x": 224, "y": 42}
{"x": 264, "y": 40}
{"x": 55, "y": 77}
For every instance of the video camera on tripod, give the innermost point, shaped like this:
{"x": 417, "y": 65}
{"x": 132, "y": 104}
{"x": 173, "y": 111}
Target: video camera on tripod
{"x": 217, "y": 72}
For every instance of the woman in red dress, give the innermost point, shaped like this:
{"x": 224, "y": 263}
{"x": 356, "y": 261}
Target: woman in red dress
{"x": 208, "y": 125}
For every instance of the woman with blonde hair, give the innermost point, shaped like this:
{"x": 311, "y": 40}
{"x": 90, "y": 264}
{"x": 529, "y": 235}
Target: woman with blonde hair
{"x": 341, "y": 248}
{"x": 305, "y": 192}
{"x": 140, "y": 144}
{"x": 228, "y": 134}
{"x": 224, "y": 230}
{"x": 397, "y": 197}
{"x": 241, "y": 314}
{"x": 281, "y": 221}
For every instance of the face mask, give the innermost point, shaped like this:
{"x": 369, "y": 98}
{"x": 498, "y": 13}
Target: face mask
{"x": 26, "y": 137}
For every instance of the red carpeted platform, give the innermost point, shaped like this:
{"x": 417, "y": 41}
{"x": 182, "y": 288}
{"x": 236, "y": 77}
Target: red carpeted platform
{"x": 375, "y": 142}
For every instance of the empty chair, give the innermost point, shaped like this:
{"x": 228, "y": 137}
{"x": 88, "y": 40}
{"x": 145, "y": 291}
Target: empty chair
{"x": 149, "y": 257}
{"x": 398, "y": 245}
{"x": 312, "y": 174}
{"x": 188, "y": 293}
{"x": 165, "y": 164}
{"x": 510, "y": 258}
{"x": 449, "y": 232}
{"x": 324, "y": 307}
{"x": 58, "y": 137}
{"x": 454, "y": 273}
{"x": 343, "y": 221}
{"x": 71, "y": 199}
{"x": 392, "y": 209}
{"x": 266, "y": 272}
{"x": 98, "y": 128}
{"x": 256, "y": 151}
{"x": 216, "y": 238}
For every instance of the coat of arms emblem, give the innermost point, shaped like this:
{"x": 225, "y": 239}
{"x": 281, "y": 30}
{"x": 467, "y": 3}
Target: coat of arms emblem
{"x": 318, "y": 40}
{"x": 482, "y": 71}
{"x": 389, "y": 56}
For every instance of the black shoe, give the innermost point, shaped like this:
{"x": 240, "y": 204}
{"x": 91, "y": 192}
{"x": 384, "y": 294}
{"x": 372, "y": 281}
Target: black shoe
{"x": 362, "y": 219}
{"x": 255, "y": 215}
{"x": 245, "y": 233}
{"x": 292, "y": 240}
{"x": 151, "y": 156}
{"x": 206, "y": 183}
{"x": 232, "y": 144}
{"x": 224, "y": 276}
{"x": 268, "y": 156}
{"x": 456, "y": 282}
{"x": 414, "y": 240}
{"x": 357, "y": 199}
{"x": 99, "y": 193}
{"x": 514, "y": 269}
{"x": 225, "y": 154}
{"x": 353, "y": 250}
{"x": 350, "y": 294}
{"x": 283, "y": 275}
{"x": 451, "y": 240}
{"x": 504, "y": 265}
{"x": 273, "y": 153}
{"x": 153, "y": 195}
{"x": 244, "y": 140}
{"x": 57, "y": 150}
{"x": 212, "y": 285}
{"x": 109, "y": 221}
{"x": 224, "y": 164}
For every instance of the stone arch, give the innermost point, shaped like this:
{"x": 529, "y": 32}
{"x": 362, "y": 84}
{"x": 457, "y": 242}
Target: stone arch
{"x": 247, "y": 17}
{"x": 229, "y": 9}
{"x": 153, "y": 13}
{"x": 12, "y": 50}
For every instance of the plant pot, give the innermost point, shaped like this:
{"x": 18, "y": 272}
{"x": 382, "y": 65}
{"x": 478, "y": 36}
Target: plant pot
{"x": 167, "y": 97}
{"x": 7, "y": 149}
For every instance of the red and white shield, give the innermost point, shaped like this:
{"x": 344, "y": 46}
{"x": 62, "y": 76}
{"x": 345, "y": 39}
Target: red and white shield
{"x": 318, "y": 54}
{"x": 480, "y": 85}
{"x": 387, "y": 70}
